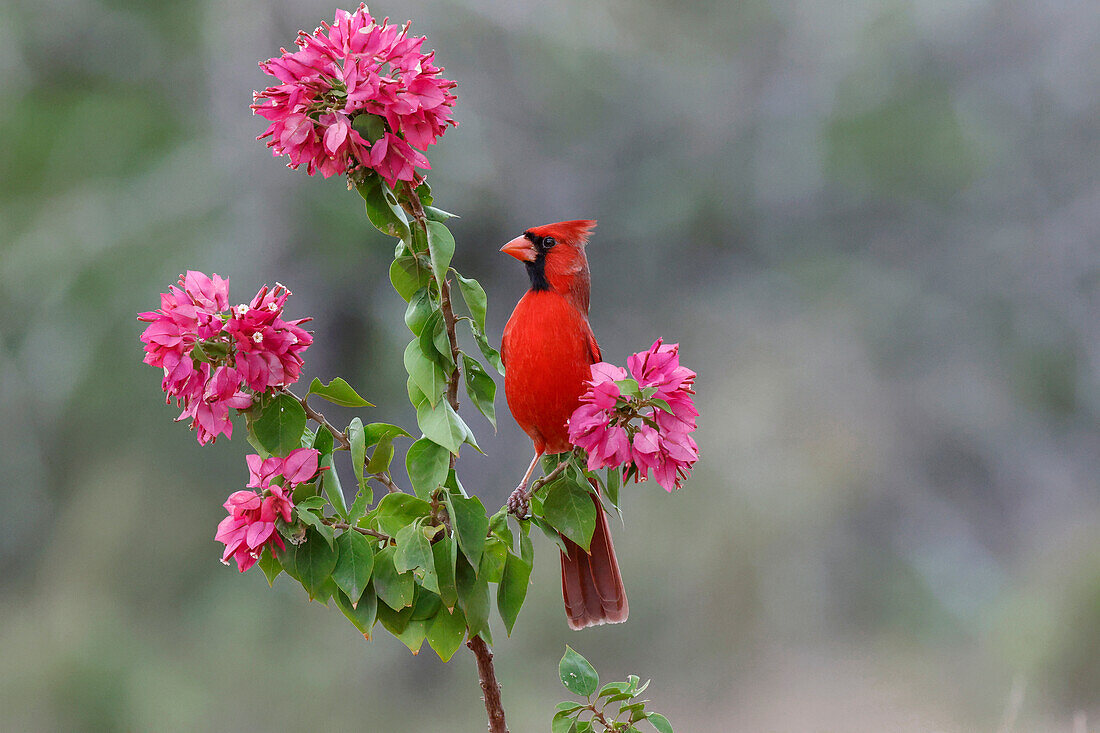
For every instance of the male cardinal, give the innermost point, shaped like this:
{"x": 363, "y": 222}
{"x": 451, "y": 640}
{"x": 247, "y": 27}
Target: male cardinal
{"x": 547, "y": 350}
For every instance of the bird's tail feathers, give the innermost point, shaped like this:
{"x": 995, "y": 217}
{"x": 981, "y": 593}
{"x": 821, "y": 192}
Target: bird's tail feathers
{"x": 591, "y": 583}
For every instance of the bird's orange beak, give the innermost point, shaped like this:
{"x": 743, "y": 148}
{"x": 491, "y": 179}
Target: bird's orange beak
{"x": 521, "y": 248}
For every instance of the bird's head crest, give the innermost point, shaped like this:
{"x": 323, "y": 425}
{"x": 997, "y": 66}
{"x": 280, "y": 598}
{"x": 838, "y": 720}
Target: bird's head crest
{"x": 574, "y": 232}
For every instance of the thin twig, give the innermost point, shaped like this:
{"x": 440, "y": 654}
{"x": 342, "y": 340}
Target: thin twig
{"x": 361, "y": 530}
{"x": 520, "y": 501}
{"x": 539, "y": 483}
{"x": 490, "y": 688}
{"x": 385, "y": 480}
{"x": 320, "y": 420}
{"x": 598, "y": 715}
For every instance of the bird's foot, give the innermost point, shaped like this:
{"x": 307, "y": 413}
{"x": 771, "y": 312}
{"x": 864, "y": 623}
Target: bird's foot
{"x": 519, "y": 502}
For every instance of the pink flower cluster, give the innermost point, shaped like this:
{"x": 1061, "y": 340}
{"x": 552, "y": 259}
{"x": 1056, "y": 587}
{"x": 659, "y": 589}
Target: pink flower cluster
{"x": 211, "y": 354}
{"x": 251, "y": 521}
{"x": 646, "y": 431}
{"x": 355, "y": 66}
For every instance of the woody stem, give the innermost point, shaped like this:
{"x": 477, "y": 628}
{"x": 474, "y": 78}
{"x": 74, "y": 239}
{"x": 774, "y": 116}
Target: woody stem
{"x": 490, "y": 688}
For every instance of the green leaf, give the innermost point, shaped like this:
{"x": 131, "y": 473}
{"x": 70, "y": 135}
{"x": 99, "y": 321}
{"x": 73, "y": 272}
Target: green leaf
{"x": 361, "y": 615}
{"x": 371, "y": 127}
{"x": 355, "y": 564}
{"x": 481, "y": 388}
{"x": 563, "y": 721}
{"x": 314, "y": 521}
{"x": 470, "y": 525}
{"x": 431, "y": 345}
{"x": 394, "y": 621}
{"x": 416, "y": 396}
{"x": 526, "y": 547}
{"x": 446, "y": 632}
{"x": 306, "y": 491}
{"x": 420, "y": 309}
{"x": 492, "y": 356}
{"x": 323, "y": 441}
{"x": 442, "y": 343}
{"x": 330, "y": 481}
{"x": 629, "y": 387}
{"x": 512, "y": 590}
{"x": 474, "y": 295}
{"x": 617, "y": 697}
{"x": 337, "y": 392}
{"x": 426, "y": 605}
{"x": 441, "y": 246}
{"x": 498, "y": 526}
{"x": 311, "y": 502}
{"x": 493, "y": 560}
{"x": 569, "y": 508}
{"x": 358, "y": 439}
{"x": 577, "y": 674}
{"x": 661, "y": 404}
{"x": 424, "y": 193}
{"x": 381, "y": 458}
{"x": 394, "y": 589}
{"x": 384, "y": 212}
{"x": 270, "y": 565}
{"x": 613, "y": 688}
{"x": 314, "y": 561}
{"x": 427, "y": 463}
{"x": 455, "y": 485}
{"x": 445, "y": 553}
{"x": 442, "y": 424}
{"x": 614, "y": 481}
{"x": 432, "y": 213}
{"x": 636, "y": 710}
{"x": 425, "y": 372}
{"x": 359, "y": 507}
{"x": 659, "y": 722}
{"x": 408, "y": 275}
{"x": 308, "y": 436}
{"x": 376, "y": 432}
{"x": 253, "y": 441}
{"x": 414, "y": 554}
{"x": 280, "y": 426}
{"x": 473, "y": 597}
{"x": 396, "y": 510}
{"x": 414, "y": 634}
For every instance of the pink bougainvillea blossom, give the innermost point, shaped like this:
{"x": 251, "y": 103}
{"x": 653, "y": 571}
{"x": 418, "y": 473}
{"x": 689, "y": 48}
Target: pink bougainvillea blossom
{"x": 268, "y": 348}
{"x": 212, "y": 355}
{"x": 648, "y": 429}
{"x": 356, "y": 66}
{"x": 251, "y": 521}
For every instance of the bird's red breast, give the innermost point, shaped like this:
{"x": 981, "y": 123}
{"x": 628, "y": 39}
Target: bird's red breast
{"x": 548, "y": 348}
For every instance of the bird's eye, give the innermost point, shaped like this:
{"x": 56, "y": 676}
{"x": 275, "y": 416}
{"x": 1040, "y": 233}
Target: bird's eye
{"x": 548, "y": 242}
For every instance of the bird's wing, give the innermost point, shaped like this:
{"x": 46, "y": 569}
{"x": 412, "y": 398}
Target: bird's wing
{"x": 593, "y": 347}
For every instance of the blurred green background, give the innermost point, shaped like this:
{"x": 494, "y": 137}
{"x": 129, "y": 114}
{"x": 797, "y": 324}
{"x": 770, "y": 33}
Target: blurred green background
{"x": 872, "y": 225}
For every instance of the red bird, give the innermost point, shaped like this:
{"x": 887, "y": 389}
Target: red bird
{"x": 547, "y": 349}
